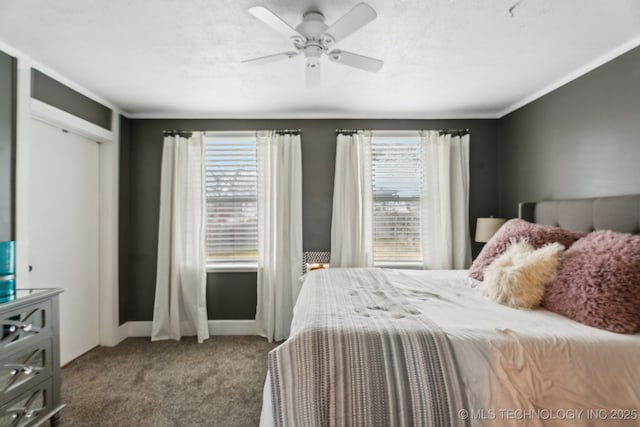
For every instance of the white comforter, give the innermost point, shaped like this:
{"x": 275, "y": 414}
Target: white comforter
{"x": 528, "y": 367}
{"x": 513, "y": 362}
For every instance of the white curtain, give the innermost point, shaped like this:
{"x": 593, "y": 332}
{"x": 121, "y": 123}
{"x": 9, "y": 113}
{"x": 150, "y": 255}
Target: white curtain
{"x": 445, "y": 201}
{"x": 180, "y": 303}
{"x": 351, "y": 228}
{"x": 280, "y": 232}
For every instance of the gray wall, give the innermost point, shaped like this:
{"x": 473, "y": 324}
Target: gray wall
{"x": 46, "y": 89}
{"x": 233, "y": 295}
{"x": 7, "y": 145}
{"x": 581, "y": 140}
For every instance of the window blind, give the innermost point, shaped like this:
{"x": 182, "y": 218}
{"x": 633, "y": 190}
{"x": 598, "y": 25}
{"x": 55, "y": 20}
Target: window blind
{"x": 231, "y": 192}
{"x": 397, "y": 186}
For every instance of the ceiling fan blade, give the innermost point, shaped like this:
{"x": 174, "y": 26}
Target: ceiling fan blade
{"x": 356, "y": 18}
{"x": 270, "y": 58}
{"x": 366, "y": 63}
{"x": 312, "y": 76}
{"x": 274, "y": 21}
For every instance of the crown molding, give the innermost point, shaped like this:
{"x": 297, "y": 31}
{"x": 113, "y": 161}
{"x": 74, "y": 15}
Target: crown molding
{"x": 321, "y": 116}
{"x": 590, "y": 66}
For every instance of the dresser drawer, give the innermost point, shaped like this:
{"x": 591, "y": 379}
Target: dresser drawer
{"x": 24, "y": 326}
{"x": 28, "y": 409}
{"x": 23, "y": 369}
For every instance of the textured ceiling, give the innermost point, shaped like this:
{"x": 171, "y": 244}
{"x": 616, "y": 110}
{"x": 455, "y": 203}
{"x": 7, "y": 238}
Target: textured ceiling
{"x": 443, "y": 58}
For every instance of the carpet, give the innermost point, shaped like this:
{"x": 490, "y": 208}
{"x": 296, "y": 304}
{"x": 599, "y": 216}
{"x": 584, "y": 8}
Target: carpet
{"x": 167, "y": 383}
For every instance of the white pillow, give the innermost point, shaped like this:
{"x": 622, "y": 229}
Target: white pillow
{"x": 518, "y": 276}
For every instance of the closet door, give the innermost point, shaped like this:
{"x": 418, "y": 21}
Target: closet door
{"x": 64, "y": 230}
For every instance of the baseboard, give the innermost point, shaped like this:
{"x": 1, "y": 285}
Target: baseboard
{"x": 232, "y": 327}
{"x": 123, "y": 332}
{"x": 216, "y": 327}
{"x": 139, "y": 329}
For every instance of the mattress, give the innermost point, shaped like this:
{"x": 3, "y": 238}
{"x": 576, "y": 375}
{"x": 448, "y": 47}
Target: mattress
{"x": 528, "y": 366}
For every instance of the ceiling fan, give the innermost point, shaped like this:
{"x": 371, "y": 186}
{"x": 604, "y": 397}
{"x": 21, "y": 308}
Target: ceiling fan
{"x": 313, "y": 38}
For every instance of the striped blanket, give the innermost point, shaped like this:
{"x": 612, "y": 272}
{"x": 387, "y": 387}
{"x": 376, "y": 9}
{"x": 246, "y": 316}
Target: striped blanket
{"x": 359, "y": 354}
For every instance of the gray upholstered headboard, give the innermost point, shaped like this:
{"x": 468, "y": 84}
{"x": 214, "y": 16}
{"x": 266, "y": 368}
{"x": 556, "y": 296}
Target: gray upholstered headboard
{"x": 618, "y": 213}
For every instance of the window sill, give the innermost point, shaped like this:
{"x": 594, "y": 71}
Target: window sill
{"x": 400, "y": 265}
{"x": 232, "y": 267}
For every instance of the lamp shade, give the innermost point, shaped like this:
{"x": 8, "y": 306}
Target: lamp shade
{"x": 487, "y": 227}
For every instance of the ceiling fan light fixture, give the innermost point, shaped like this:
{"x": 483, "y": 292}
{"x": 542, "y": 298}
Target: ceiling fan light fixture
{"x": 312, "y": 38}
{"x": 313, "y": 51}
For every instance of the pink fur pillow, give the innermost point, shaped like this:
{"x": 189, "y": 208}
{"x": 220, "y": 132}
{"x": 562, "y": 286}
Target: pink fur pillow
{"x": 517, "y": 229}
{"x": 598, "y": 282}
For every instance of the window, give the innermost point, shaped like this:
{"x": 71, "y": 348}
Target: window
{"x": 396, "y": 176}
{"x": 232, "y": 205}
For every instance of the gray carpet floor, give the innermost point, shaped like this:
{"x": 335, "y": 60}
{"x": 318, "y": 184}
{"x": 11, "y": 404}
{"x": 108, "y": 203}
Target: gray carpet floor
{"x": 167, "y": 383}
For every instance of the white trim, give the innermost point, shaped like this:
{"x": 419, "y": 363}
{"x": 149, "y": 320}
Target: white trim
{"x": 138, "y": 329}
{"x": 612, "y": 54}
{"x": 293, "y": 115}
{"x": 232, "y": 267}
{"x": 23, "y": 125}
{"x": 401, "y": 265}
{"x": 109, "y": 202}
{"x": 232, "y": 327}
{"x": 216, "y": 327}
{"x": 61, "y": 119}
{"x": 123, "y": 332}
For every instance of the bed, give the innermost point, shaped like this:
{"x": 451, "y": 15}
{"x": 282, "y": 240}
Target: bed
{"x": 404, "y": 347}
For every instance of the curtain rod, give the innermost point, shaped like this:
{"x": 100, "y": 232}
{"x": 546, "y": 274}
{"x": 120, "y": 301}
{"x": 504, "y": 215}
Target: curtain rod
{"x": 184, "y": 133}
{"x": 292, "y": 131}
{"x": 458, "y": 131}
{"x": 349, "y": 130}
{"x": 180, "y": 132}
{"x": 461, "y": 131}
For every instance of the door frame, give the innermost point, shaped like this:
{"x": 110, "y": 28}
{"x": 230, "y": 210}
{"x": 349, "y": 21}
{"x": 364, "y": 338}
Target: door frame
{"x": 108, "y": 142}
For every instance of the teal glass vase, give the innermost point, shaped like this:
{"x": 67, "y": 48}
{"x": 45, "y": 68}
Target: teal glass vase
{"x": 7, "y": 270}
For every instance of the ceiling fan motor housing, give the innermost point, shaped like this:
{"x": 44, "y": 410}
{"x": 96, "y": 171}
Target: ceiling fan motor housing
{"x": 312, "y": 25}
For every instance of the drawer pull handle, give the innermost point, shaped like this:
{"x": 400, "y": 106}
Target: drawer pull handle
{"x": 24, "y": 412}
{"x": 20, "y": 373}
{"x": 13, "y": 326}
{"x": 25, "y": 369}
